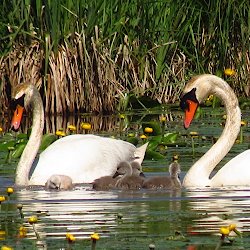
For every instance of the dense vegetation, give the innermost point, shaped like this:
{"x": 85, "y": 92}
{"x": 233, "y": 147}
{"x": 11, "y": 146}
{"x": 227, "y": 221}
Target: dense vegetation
{"x": 93, "y": 55}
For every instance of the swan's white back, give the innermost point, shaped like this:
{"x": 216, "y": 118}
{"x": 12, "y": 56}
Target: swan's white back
{"x": 84, "y": 158}
{"x": 234, "y": 173}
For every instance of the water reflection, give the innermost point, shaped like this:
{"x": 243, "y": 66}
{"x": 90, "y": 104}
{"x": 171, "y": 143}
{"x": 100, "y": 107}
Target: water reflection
{"x": 219, "y": 207}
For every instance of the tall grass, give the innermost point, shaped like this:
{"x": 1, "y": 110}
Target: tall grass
{"x": 92, "y": 55}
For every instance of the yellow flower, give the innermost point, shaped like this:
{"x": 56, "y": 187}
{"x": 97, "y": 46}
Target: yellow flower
{"x": 131, "y": 135}
{"x": 19, "y": 206}
{"x": 86, "y": 125}
{"x": 72, "y": 127}
{"x": 243, "y": 123}
{"x": 70, "y": 237}
{"x": 224, "y": 230}
{"x": 2, "y": 235}
{"x": 2, "y": 198}
{"x": 1, "y": 130}
{"x": 232, "y": 227}
{"x": 143, "y": 136}
{"x": 60, "y": 133}
{"x": 95, "y": 236}
{"x": 10, "y": 190}
{"x": 194, "y": 134}
{"x": 229, "y": 72}
{"x": 210, "y": 98}
{"x": 122, "y": 116}
{"x": 22, "y": 232}
{"x": 148, "y": 130}
{"x": 163, "y": 118}
{"x": 6, "y": 248}
{"x": 32, "y": 219}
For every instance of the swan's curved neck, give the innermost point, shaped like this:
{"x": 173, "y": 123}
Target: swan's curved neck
{"x": 199, "y": 173}
{"x": 32, "y": 147}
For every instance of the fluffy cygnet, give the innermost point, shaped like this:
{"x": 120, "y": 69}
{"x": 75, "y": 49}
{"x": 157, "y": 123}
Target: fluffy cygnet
{"x": 59, "y": 182}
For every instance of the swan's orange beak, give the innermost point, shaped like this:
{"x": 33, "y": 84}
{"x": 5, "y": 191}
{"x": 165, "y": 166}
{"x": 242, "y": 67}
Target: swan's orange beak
{"x": 190, "y": 112}
{"x": 17, "y": 117}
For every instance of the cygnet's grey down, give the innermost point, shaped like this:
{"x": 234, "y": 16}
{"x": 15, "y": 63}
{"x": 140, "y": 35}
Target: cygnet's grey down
{"x": 109, "y": 182}
{"x": 165, "y": 182}
{"x": 131, "y": 176}
{"x": 59, "y": 182}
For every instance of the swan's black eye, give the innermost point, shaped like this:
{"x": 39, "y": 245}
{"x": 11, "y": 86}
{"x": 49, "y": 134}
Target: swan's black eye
{"x": 188, "y": 96}
{"x": 15, "y": 102}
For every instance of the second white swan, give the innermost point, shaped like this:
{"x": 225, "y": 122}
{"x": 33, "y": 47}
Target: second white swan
{"x": 237, "y": 170}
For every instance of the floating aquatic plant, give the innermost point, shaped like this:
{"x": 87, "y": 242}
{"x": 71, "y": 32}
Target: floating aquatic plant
{"x": 2, "y": 199}
{"x": 70, "y": 238}
{"x": 94, "y": 238}
{"x": 225, "y": 235}
{"x": 229, "y": 72}
{"x": 20, "y": 209}
{"x": 32, "y": 221}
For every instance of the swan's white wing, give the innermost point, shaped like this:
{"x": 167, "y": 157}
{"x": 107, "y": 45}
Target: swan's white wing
{"x": 235, "y": 172}
{"x": 82, "y": 157}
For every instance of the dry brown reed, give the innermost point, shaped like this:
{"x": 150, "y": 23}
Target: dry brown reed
{"x": 93, "y": 79}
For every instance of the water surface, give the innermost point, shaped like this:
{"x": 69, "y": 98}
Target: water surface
{"x": 184, "y": 219}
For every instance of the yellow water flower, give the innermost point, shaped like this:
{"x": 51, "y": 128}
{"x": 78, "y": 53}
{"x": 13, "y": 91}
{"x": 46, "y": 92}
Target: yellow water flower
{"x": 224, "y": 231}
{"x": 22, "y": 232}
{"x": 2, "y": 235}
{"x": 86, "y": 125}
{"x": 194, "y": 134}
{"x": 131, "y": 135}
{"x": 229, "y": 72}
{"x": 6, "y": 248}
{"x": 60, "y": 133}
{"x": 210, "y": 98}
{"x": 19, "y": 206}
{"x": 143, "y": 136}
{"x": 243, "y": 123}
{"x": 2, "y": 199}
{"x": 72, "y": 127}
{"x": 32, "y": 219}
{"x": 10, "y": 190}
{"x": 163, "y": 118}
{"x": 70, "y": 237}
{"x": 232, "y": 227}
{"x": 148, "y": 130}
{"x": 95, "y": 236}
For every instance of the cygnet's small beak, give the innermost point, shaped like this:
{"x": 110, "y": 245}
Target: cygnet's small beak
{"x": 142, "y": 175}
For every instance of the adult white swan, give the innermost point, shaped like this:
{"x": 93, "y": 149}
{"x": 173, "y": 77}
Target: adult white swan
{"x": 83, "y": 158}
{"x": 237, "y": 170}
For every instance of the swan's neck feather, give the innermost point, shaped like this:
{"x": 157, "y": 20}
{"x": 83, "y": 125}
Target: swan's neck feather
{"x": 199, "y": 173}
{"x": 32, "y": 147}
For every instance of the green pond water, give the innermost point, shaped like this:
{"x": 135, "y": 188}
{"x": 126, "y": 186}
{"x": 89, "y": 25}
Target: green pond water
{"x": 186, "y": 219}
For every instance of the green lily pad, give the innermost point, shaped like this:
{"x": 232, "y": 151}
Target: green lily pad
{"x": 47, "y": 140}
{"x": 153, "y": 155}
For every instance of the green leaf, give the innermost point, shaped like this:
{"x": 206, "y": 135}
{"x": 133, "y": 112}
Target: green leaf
{"x": 47, "y": 140}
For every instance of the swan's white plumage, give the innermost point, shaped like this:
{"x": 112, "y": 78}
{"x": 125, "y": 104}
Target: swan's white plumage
{"x": 237, "y": 171}
{"x": 83, "y": 158}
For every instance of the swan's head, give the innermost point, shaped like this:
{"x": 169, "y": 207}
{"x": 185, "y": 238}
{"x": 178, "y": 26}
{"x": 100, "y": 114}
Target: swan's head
{"x": 21, "y": 95}
{"x": 195, "y": 92}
